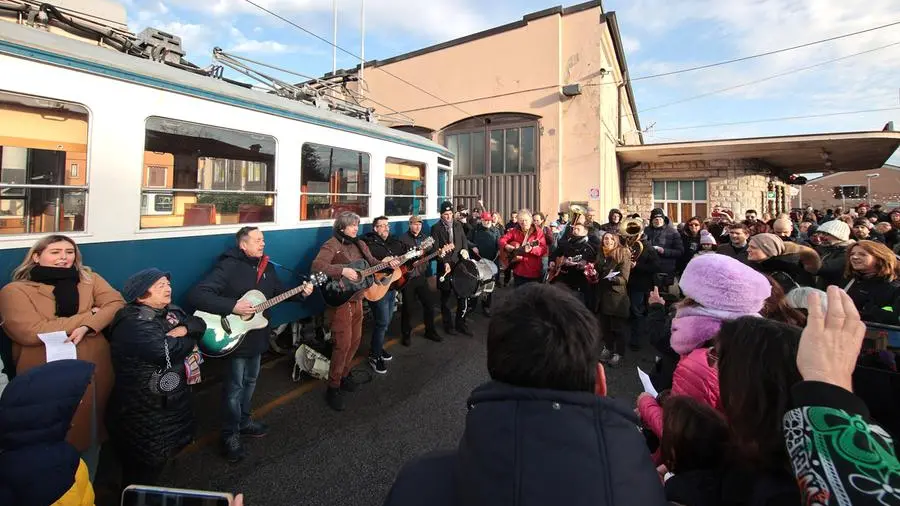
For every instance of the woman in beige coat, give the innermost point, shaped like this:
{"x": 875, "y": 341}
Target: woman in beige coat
{"x": 53, "y": 291}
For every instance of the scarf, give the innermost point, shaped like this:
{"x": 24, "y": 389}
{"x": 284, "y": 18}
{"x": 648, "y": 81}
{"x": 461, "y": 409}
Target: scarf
{"x": 344, "y": 238}
{"x": 65, "y": 287}
{"x": 608, "y": 251}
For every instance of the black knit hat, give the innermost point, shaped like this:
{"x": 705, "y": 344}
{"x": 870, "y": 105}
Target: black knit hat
{"x": 657, "y": 213}
{"x": 446, "y": 206}
{"x": 138, "y": 284}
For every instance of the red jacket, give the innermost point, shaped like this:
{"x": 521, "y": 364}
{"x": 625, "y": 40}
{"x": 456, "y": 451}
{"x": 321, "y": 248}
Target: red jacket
{"x": 531, "y": 265}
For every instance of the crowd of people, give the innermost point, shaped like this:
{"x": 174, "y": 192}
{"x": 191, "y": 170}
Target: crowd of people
{"x": 746, "y": 410}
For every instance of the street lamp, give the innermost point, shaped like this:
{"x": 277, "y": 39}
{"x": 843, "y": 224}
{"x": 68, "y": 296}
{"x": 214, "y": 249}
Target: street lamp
{"x": 869, "y": 178}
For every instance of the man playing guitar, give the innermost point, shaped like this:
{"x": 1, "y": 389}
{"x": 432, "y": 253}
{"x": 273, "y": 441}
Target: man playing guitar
{"x": 239, "y": 270}
{"x": 384, "y": 246}
{"x": 416, "y": 287}
{"x": 572, "y": 255}
{"x": 346, "y": 320}
{"x": 525, "y": 245}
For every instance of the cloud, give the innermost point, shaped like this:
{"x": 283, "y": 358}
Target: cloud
{"x": 632, "y": 44}
{"x": 721, "y": 30}
{"x": 241, "y": 44}
{"x": 433, "y": 20}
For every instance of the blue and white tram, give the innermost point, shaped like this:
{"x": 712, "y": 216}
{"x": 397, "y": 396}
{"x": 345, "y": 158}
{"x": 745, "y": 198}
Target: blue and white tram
{"x": 149, "y": 165}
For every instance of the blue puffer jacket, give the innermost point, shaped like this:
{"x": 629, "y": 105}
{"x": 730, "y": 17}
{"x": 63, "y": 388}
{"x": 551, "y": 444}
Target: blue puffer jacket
{"x": 529, "y": 447}
{"x": 37, "y": 465}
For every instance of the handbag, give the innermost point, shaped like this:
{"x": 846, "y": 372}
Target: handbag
{"x": 165, "y": 381}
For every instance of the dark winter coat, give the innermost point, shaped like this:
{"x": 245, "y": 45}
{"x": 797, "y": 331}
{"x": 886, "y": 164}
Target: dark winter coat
{"x": 415, "y": 241}
{"x": 528, "y": 447}
{"x": 612, "y": 225}
{"x": 574, "y": 277}
{"x": 834, "y": 261}
{"x": 232, "y": 277}
{"x": 644, "y": 270}
{"x": 37, "y": 465}
{"x": 872, "y": 294}
{"x": 383, "y": 248}
{"x": 734, "y": 252}
{"x": 667, "y": 238}
{"x": 691, "y": 247}
{"x": 149, "y": 427}
{"x": 486, "y": 240}
{"x": 787, "y": 271}
{"x": 442, "y": 238}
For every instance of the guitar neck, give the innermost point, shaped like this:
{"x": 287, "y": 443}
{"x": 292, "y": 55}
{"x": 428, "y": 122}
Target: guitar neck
{"x": 280, "y": 298}
{"x": 426, "y": 259}
{"x": 372, "y": 270}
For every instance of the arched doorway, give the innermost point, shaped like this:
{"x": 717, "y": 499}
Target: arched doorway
{"x": 497, "y": 159}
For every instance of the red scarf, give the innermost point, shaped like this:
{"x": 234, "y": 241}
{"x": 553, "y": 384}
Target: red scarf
{"x": 261, "y": 268}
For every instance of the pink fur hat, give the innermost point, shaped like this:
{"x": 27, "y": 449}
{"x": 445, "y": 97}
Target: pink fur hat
{"x": 725, "y": 289}
{"x": 721, "y": 283}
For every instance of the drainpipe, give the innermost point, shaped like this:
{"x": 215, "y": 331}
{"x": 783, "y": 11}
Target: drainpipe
{"x": 621, "y": 85}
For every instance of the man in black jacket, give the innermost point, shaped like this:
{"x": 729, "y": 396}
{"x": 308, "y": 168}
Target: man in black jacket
{"x": 573, "y": 254}
{"x": 416, "y": 288}
{"x": 449, "y": 231}
{"x": 484, "y": 239}
{"x": 383, "y": 246}
{"x": 238, "y": 271}
{"x": 640, "y": 283}
{"x": 541, "y": 431}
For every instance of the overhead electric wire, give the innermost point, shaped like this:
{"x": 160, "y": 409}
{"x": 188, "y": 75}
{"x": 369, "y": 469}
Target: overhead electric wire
{"x": 770, "y": 120}
{"x": 768, "y": 78}
{"x": 295, "y": 25}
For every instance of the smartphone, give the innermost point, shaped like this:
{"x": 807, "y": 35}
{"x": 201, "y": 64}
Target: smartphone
{"x": 141, "y": 495}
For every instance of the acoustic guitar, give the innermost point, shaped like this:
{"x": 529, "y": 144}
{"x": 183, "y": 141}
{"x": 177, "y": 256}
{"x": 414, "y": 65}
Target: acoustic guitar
{"x": 384, "y": 281}
{"x": 224, "y": 333}
{"x": 338, "y": 291}
{"x": 400, "y": 283}
{"x": 509, "y": 259}
{"x": 566, "y": 262}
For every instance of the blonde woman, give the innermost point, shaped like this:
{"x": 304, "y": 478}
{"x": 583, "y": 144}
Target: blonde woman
{"x": 613, "y": 269}
{"x": 51, "y": 291}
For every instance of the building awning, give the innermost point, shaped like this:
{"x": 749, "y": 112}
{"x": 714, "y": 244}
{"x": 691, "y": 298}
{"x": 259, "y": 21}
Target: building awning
{"x": 796, "y": 154}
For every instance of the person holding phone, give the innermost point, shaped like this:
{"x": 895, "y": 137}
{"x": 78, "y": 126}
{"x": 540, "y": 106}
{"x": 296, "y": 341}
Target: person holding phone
{"x": 53, "y": 291}
{"x": 149, "y": 425}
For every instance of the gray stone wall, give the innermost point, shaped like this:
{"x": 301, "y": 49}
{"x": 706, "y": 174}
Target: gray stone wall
{"x": 736, "y": 184}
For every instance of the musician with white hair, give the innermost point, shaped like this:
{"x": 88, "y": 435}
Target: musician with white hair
{"x": 523, "y": 247}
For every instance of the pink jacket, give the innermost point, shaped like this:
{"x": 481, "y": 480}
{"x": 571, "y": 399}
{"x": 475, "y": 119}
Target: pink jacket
{"x": 693, "y": 377}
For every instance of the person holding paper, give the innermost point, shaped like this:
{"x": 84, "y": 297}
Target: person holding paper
{"x": 613, "y": 268}
{"x": 147, "y": 427}
{"x": 53, "y": 291}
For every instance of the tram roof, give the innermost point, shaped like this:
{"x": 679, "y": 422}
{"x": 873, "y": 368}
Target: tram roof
{"x": 36, "y": 45}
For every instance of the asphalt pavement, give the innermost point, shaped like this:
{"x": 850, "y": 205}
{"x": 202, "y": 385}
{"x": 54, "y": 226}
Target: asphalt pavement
{"x": 316, "y": 456}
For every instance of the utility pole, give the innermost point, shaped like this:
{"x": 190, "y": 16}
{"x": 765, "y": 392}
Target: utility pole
{"x": 362, "y": 49}
{"x": 334, "y": 38}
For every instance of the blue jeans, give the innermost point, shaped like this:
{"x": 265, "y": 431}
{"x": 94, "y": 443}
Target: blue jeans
{"x": 382, "y": 311}
{"x": 238, "y": 391}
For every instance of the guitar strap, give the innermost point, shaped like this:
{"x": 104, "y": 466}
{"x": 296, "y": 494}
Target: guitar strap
{"x": 261, "y": 268}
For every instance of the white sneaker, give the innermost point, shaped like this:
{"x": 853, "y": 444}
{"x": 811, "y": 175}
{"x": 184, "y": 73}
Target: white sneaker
{"x": 615, "y": 360}
{"x": 605, "y": 355}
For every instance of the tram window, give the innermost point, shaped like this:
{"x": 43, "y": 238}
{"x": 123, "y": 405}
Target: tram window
{"x": 42, "y": 144}
{"x": 198, "y": 175}
{"x": 333, "y": 180}
{"x": 445, "y": 185}
{"x": 404, "y": 192}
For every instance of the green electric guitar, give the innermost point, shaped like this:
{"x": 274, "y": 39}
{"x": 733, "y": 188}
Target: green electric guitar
{"x": 225, "y": 333}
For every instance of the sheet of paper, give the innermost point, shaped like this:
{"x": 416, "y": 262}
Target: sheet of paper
{"x": 57, "y": 347}
{"x": 648, "y": 385}
{"x": 611, "y": 275}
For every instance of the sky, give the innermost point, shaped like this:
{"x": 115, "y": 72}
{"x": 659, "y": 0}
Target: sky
{"x": 658, "y": 35}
